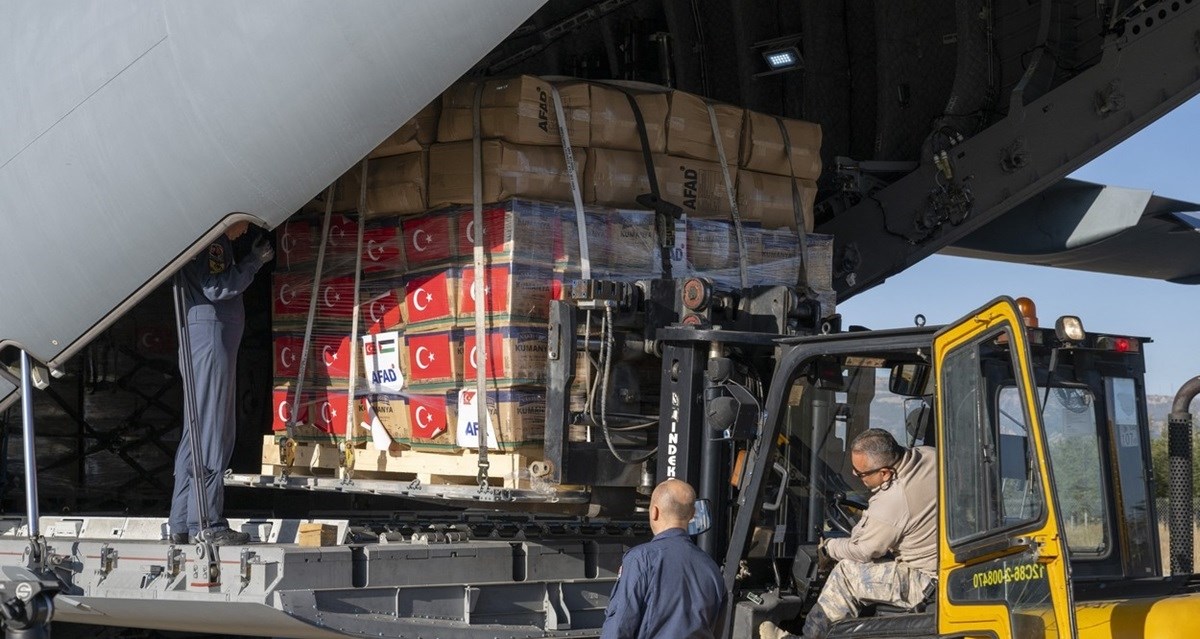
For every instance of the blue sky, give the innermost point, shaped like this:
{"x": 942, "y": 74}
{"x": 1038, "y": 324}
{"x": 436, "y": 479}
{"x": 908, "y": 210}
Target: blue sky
{"x": 1165, "y": 158}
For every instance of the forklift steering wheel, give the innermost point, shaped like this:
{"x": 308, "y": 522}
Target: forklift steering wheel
{"x": 843, "y": 512}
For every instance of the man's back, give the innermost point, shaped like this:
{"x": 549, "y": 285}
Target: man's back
{"x": 668, "y": 588}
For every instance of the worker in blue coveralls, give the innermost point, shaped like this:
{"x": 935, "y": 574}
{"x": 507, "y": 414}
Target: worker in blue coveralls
{"x": 213, "y": 283}
{"x": 667, "y": 587}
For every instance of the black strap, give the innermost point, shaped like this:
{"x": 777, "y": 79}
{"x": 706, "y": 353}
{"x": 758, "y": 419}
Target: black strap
{"x": 665, "y": 213}
{"x": 797, "y": 207}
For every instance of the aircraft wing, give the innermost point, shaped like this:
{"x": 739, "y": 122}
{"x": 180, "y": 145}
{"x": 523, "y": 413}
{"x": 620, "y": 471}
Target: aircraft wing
{"x": 134, "y": 128}
{"x": 1094, "y": 227}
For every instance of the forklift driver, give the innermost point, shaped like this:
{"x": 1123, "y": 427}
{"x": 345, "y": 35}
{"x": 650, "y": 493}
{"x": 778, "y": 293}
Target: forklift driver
{"x": 890, "y": 556}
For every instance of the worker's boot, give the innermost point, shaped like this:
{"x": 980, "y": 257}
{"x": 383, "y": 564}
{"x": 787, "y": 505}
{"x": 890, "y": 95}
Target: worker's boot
{"x": 228, "y": 537}
{"x": 180, "y": 538}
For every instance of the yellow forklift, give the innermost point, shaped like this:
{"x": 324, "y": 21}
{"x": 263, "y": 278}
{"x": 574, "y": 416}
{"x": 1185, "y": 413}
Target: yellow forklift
{"x": 1047, "y": 520}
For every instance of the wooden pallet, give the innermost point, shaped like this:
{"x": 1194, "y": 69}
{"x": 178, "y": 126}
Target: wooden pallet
{"x": 508, "y": 469}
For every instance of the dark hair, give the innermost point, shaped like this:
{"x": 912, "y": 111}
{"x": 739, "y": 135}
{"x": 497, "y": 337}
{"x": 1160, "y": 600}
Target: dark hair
{"x": 879, "y": 446}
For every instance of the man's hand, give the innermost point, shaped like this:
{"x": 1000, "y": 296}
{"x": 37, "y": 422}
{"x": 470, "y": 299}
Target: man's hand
{"x": 262, "y": 249}
{"x": 825, "y": 563}
{"x": 768, "y": 630}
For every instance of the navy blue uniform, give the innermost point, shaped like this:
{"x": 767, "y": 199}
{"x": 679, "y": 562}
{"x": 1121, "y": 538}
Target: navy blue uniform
{"x": 213, "y": 285}
{"x": 668, "y": 589}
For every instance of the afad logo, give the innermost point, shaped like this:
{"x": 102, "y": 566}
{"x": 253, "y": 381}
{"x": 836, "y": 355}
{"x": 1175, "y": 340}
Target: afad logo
{"x": 691, "y": 181}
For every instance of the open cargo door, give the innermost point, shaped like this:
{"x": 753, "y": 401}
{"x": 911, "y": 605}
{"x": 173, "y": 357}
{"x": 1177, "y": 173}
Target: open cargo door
{"x": 134, "y": 129}
{"x": 1003, "y": 566}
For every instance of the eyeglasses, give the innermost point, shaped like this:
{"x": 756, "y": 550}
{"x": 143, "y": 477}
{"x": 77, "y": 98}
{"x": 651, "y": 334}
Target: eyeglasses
{"x": 867, "y": 473}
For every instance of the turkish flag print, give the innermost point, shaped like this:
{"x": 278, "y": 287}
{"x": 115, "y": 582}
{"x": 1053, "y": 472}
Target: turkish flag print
{"x": 428, "y": 238}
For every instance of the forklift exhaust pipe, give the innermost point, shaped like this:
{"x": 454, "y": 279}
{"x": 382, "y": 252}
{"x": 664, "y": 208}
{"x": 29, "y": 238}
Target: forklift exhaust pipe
{"x": 1179, "y": 455}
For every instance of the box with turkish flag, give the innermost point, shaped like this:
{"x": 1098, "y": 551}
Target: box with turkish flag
{"x": 516, "y": 416}
{"x": 156, "y": 339}
{"x": 512, "y": 230}
{"x": 296, "y": 243}
{"x": 290, "y": 294}
{"x": 283, "y": 406}
{"x": 389, "y": 413}
{"x": 514, "y": 354}
{"x": 513, "y": 291}
{"x": 428, "y": 239}
{"x": 430, "y": 298}
{"x": 383, "y": 250}
{"x": 287, "y": 347}
{"x": 434, "y": 357}
{"x": 381, "y": 305}
{"x": 320, "y": 416}
{"x": 340, "y": 245}
{"x": 330, "y": 359}
{"x": 430, "y": 417}
{"x": 335, "y": 300}
{"x": 329, "y": 410}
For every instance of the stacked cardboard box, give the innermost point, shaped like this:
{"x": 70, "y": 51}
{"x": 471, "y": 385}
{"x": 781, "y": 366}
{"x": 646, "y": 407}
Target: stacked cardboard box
{"x": 319, "y": 400}
{"x": 418, "y": 289}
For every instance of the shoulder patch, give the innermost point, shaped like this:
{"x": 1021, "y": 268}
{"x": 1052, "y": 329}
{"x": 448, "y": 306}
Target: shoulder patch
{"x": 216, "y": 258}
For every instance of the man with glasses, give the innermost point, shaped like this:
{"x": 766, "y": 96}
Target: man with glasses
{"x": 890, "y": 556}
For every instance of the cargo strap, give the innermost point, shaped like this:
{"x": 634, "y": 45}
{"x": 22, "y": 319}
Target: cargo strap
{"x": 585, "y": 259}
{"x": 288, "y": 445}
{"x": 480, "y": 276}
{"x": 191, "y": 412}
{"x": 665, "y": 213}
{"x": 346, "y": 458}
{"x": 729, "y": 191}
{"x": 797, "y": 205}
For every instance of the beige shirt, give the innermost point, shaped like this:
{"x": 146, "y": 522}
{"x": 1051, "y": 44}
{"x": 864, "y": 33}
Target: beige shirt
{"x": 901, "y": 518}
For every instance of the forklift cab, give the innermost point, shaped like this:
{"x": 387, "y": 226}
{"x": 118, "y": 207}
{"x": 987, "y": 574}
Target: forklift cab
{"x": 1009, "y": 403}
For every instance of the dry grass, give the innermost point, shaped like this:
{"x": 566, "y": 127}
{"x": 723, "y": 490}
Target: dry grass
{"x": 1164, "y": 545}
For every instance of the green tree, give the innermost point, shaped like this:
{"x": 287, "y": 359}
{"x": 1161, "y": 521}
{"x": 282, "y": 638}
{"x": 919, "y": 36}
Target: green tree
{"x": 1158, "y": 459}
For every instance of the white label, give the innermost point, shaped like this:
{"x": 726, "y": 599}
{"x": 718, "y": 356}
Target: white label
{"x": 381, "y": 360}
{"x": 679, "y": 262}
{"x": 1129, "y": 435}
{"x": 468, "y": 422}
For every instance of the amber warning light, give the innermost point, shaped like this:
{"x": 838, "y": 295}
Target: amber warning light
{"x": 1028, "y": 311}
